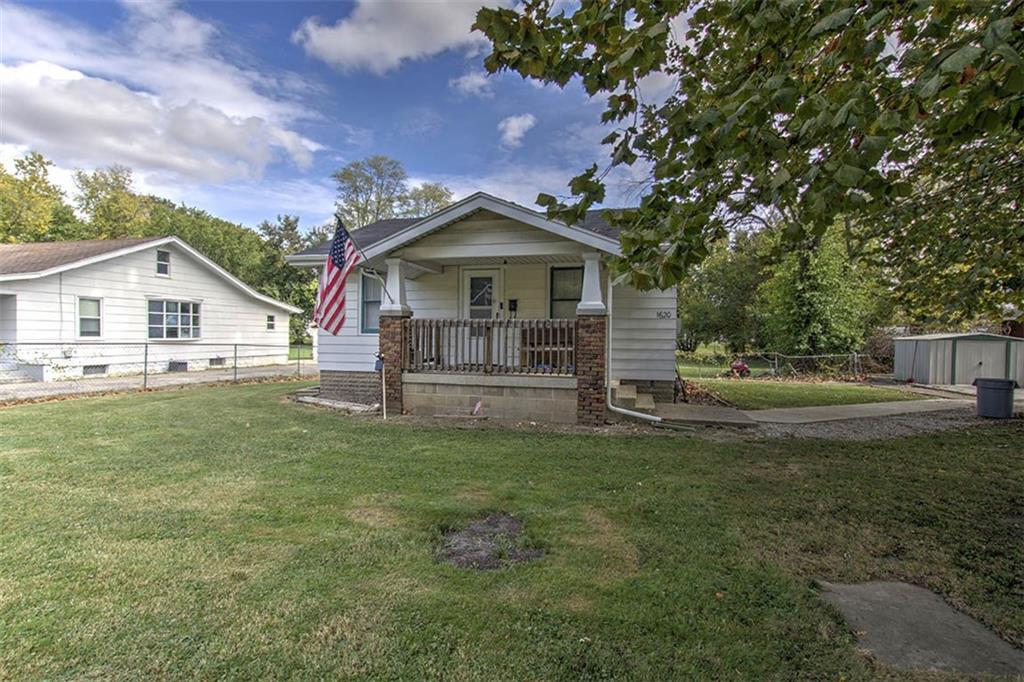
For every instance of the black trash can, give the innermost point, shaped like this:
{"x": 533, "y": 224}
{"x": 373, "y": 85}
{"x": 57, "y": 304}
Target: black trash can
{"x": 995, "y": 397}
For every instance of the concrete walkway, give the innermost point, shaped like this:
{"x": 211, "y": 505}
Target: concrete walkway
{"x": 686, "y": 413}
{"x": 826, "y": 413}
{"x": 35, "y": 390}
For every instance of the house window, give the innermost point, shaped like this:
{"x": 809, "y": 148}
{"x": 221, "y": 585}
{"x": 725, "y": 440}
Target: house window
{"x": 173, "y": 320}
{"x": 566, "y": 291}
{"x": 270, "y": 323}
{"x": 89, "y": 317}
{"x": 163, "y": 263}
{"x": 370, "y": 305}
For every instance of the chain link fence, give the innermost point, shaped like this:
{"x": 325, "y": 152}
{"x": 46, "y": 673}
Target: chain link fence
{"x": 37, "y": 370}
{"x": 771, "y": 364}
{"x": 837, "y": 365}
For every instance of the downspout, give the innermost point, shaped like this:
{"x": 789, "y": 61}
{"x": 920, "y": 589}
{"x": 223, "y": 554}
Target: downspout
{"x": 608, "y": 369}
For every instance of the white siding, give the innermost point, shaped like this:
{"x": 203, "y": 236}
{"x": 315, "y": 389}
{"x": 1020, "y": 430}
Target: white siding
{"x": 488, "y": 234}
{"x": 643, "y": 334}
{"x": 47, "y": 312}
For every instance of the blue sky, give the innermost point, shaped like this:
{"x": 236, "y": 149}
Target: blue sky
{"x": 245, "y": 108}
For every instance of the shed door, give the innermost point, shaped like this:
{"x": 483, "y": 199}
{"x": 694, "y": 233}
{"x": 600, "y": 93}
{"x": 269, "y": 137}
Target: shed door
{"x": 974, "y": 359}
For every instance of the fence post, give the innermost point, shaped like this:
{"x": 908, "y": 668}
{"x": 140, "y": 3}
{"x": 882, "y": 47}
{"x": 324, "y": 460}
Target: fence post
{"x": 236, "y": 362}
{"x": 298, "y": 361}
{"x": 145, "y": 366}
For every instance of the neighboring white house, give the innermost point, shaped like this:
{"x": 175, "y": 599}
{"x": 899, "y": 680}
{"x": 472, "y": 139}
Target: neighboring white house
{"x": 69, "y": 309}
{"x": 492, "y": 291}
{"x": 958, "y": 358}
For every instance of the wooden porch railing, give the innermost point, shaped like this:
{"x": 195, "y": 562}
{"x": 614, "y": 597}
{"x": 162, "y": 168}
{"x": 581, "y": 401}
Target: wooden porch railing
{"x": 491, "y": 346}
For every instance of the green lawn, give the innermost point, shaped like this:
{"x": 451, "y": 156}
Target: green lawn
{"x": 754, "y": 394}
{"x": 221, "y": 532}
{"x": 300, "y": 352}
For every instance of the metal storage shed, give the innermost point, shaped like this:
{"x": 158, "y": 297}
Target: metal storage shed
{"x": 958, "y": 358}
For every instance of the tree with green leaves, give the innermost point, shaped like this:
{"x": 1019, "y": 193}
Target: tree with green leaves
{"x": 424, "y": 199}
{"x": 369, "y": 190}
{"x": 109, "y": 203}
{"x": 816, "y": 299}
{"x": 718, "y": 298}
{"x": 32, "y": 207}
{"x": 807, "y": 110}
{"x": 377, "y": 188}
{"x": 284, "y": 281}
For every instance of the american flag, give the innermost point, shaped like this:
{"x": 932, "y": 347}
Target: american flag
{"x": 329, "y": 313}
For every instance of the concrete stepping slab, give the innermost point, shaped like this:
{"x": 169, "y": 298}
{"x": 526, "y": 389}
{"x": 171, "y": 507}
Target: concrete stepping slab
{"x": 810, "y": 415}
{"x": 906, "y": 626}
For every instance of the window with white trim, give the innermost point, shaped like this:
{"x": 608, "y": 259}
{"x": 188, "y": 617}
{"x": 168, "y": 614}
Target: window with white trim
{"x": 89, "y": 323}
{"x": 163, "y": 263}
{"x": 173, "y": 319}
{"x": 371, "y": 293}
{"x": 271, "y": 323}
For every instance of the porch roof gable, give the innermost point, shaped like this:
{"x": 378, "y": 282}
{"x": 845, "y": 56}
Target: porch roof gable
{"x": 385, "y": 236}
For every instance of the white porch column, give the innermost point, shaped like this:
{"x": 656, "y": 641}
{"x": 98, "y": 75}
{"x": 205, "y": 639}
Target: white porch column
{"x": 591, "y": 302}
{"x": 394, "y": 302}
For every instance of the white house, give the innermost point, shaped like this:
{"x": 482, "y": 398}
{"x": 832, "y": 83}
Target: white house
{"x": 103, "y": 307}
{"x": 489, "y": 302}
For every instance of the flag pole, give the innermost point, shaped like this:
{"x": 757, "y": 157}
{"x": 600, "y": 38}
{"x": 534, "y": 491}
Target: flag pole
{"x": 372, "y": 272}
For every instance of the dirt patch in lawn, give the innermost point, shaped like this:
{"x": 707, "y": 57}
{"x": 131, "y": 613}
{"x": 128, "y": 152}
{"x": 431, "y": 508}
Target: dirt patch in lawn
{"x": 488, "y": 544}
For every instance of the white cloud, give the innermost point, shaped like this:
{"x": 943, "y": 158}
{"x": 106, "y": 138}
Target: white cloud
{"x": 473, "y": 83}
{"x": 514, "y": 128}
{"x": 81, "y": 120}
{"x": 379, "y": 36}
{"x": 154, "y": 93}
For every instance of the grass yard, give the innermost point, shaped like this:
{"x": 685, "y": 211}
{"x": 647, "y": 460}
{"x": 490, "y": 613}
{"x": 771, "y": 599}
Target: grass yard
{"x": 221, "y": 532}
{"x": 753, "y": 394}
{"x": 300, "y": 352}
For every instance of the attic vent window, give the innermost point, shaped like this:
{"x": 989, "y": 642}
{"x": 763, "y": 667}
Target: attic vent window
{"x": 163, "y": 263}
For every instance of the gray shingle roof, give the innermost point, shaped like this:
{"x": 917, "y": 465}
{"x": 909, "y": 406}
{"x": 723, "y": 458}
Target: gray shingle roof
{"x": 369, "y": 235}
{"x": 23, "y": 259}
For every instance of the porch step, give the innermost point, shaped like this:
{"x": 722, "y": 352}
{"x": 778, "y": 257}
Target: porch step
{"x": 645, "y": 402}
{"x": 624, "y": 395}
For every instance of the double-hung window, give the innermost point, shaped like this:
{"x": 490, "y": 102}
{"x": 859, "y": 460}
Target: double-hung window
{"x": 163, "y": 263}
{"x": 174, "y": 319}
{"x": 566, "y": 291}
{"x": 271, "y": 323}
{"x": 89, "y": 322}
{"x": 370, "y": 305}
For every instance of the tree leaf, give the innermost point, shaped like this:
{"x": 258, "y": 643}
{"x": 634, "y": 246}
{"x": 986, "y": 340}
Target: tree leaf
{"x": 832, "y": 21}
{"x": 848, "y": 176}
{"x": 956, "y": 62}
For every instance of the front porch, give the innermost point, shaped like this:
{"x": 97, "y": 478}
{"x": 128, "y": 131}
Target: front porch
{"x": 492, "y": 362}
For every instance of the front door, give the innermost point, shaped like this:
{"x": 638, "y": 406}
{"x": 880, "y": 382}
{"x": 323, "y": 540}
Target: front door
{"x": 481, "y": 300}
